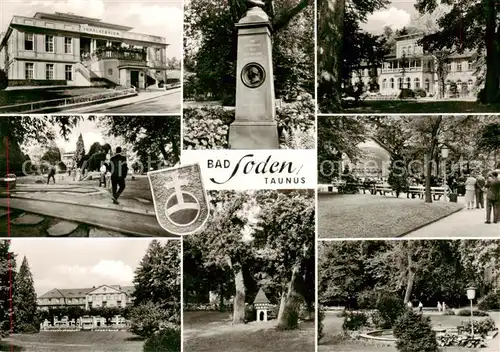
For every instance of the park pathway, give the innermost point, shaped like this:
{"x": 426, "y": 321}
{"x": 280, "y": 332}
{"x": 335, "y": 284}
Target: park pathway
{"x": 465, "y": 223}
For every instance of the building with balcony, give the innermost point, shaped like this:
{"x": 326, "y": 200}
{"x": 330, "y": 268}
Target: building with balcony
{"x": 66, "y": 49}
{"x": 87, "y": 298}
{"x": 408, "y": 66}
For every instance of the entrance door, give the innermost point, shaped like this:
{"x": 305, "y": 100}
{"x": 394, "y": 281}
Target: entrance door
{"x": 134, "y": 79}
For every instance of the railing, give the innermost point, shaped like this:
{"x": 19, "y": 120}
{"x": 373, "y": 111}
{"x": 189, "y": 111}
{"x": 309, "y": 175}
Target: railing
{"x": 77, "y": 100}
{"x": 114, "y": 54}
{"x": 83, "y": 70}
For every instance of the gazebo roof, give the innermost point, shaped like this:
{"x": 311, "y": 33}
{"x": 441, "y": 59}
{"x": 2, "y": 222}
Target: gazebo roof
{"x": 261, "y": 298}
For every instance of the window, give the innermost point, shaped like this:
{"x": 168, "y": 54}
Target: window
{"x": 49, "y": 43}
{"x": 384, "y": 83}
{"x": 158, "y": 54}
{"x": 469, "y": 65}
{"x": 449, "y": 67}
{"x": 49, "y": 71}
{"x": 68, "y": 72}
{"x": 392, "y": 83}
{"x": 29, "y": 41}
{"x": 459, "y": 67}
{"x": 400, "y": 83}
{"x": 417, "y": 83}
{"x": 29, "y": 70}
{"x": 408, "y": 82}
{"x": 427, "y": 85}
{"x": 68, "y": 45}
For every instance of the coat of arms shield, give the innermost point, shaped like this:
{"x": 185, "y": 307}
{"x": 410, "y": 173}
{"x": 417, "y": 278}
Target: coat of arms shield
{"x": 180, "y": 201}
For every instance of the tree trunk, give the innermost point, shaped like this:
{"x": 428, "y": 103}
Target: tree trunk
{"x": 281, "y": 311}
{"x": 330, "y": 44}
{"x": 411, "y": 277}
{"x": 289, "y": 317}
{"x": 222, "y": 308}
{"x": 492, "y": 81}
{"x": 239, "y": 295}
{"x": 428, "y": 172}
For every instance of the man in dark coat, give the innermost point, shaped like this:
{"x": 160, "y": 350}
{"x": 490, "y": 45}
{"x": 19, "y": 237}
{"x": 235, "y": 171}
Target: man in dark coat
{"x": 480, "y": 184}
{"x": 493, "y": 198}
{"x": 52, "y": 174}
{"x": 119, "y": 170}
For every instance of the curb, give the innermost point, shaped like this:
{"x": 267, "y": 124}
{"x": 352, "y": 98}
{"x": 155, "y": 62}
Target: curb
{"x": 121, "y": 105}
{"x": 106, "y": 227}
{"x": 429, "y": 223}
{"x": 124, "y": 209}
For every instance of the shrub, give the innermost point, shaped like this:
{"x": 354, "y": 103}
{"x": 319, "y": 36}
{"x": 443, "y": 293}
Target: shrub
{"x": 291, "y": 320}
{"x": 414, "y": 333}
{"x": 447, "y": 340}
{"x": 354, "y": 321}
{"x": 26, "y": 329}
{"x": 367, "y": 299}
{"x": 149, "y": 318}
{"x": 406, "y": 94}
{"x": 482, "y": 327}
{"x": 391, "y": 308}
{"x": 420, "y": 93}
{"x": 449, "y": 312}
{"x": 475, "y": 313}
{"x": 490, "y": 302}
{"x": 470, "y": 341}
{"x": 4, "y": 81}
{"x": 168, "y": 340}
{"x": 377, "y": 320}
{"x": 321, "y": 317}
{"x": 250, "y": 313}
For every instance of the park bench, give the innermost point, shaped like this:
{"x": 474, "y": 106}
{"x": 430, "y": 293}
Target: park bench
{"x": 383, "y": 189}
{"x": 437, "y": 192}
{"x": 416, "y": 190}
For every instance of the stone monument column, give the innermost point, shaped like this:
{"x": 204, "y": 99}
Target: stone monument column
{"x": 254, "y": 126}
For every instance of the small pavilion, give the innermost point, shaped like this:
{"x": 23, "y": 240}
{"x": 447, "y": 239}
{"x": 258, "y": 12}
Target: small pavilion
{"x": 261, "y": 305}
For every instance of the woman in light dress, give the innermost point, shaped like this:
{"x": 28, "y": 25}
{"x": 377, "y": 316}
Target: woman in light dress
{"x": 470, "y": 191}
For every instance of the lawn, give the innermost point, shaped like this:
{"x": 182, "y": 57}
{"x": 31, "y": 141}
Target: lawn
{"x": 422, "y": 106}
{"x": 212, "y": 331}
{"x": 19, "y": 96}
{"x": 367, "y": 216}
{"x": 119, "y": 341}
{"x": 333, "y": 327}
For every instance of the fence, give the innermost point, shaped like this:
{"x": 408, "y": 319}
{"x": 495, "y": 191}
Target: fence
{"x": 68, "y": 102}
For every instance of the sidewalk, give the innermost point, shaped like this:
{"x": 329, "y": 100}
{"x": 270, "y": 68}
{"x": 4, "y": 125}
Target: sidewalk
{"x": 465, "y": 224}
{"x": 143, "y": 96}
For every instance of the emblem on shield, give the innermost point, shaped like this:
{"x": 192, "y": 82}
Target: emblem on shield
{"x": 180, "y": 201}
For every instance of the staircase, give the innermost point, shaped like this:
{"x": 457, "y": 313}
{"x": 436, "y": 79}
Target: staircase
{"x": 93, "y": 79}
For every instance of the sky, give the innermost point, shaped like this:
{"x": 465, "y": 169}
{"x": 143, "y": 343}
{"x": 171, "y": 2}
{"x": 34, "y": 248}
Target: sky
{"x": 397, "y": 15}
{"x": 161, "y": 17}
{"x": 91, "y": 133}
{"x": 80, "y": 262}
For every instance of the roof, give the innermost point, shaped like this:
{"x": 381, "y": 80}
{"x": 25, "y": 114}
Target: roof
{"x": 261, "y": 298}
{"x": 82, "y": 292}
{"x": 70, "y": 17}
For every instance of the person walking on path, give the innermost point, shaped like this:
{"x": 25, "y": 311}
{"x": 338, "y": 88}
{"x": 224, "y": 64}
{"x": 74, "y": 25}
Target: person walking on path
{"x": 52, "y": 173}
{"x": 470, "y": 191}
{"x": 102, "y": 178}
{"x": 119, "y": 170}
{"x": 420, "y": 307}
{"x": 480, "y": 183}
{"x": 493, "y": 198}
{"x": 439, "y": 307}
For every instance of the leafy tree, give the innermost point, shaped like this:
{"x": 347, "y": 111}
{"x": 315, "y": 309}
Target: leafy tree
{"x": 414, "y": 333}
{"x": 286, "y": 231}
{"x": 489, "y": 138}
{"x": 52, "y": 155}
{"x": 471, "y": 25}
{"x": 79, "y": 152}
{"x": 337, "y": 136}
{"x": 151, "y": 136}
{"x": 24, "y": 297}
{"x": 212, "y": 46}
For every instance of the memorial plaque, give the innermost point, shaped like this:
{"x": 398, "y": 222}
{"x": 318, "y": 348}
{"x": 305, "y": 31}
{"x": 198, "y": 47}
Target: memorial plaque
{"x": 254, "y": 126}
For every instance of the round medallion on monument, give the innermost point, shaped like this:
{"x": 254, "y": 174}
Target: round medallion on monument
{"x": 253, "y": 75}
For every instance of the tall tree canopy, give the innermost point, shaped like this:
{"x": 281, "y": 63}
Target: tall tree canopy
{"x": 24, "y": 296}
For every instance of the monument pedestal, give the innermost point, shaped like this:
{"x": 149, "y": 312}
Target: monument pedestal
{"x": 254, "y": 126}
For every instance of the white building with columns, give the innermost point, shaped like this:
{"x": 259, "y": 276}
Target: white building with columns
{"x": 67, "y": 49}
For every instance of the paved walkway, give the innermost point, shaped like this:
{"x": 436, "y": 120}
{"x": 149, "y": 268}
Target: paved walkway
{"x": 465, "y": 224}
{"x": 110, "y": 219}
{"x": 142, "y": 97}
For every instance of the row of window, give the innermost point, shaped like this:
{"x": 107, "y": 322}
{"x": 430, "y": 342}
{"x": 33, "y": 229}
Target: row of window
{"x": 29, "y": 43}
{"x": 29, "y": 71}
{"x": 416, "y": 83}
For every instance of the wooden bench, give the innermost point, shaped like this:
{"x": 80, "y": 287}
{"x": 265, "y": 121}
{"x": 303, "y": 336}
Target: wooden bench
{"x": 383, "y": 189}
{"x": 437, "y": 192}
{"x": 416, "y": 190}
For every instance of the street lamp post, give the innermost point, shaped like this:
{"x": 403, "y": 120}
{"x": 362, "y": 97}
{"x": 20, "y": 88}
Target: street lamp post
{"x": 471, "y": 294}
{"x": 444, "y": 155}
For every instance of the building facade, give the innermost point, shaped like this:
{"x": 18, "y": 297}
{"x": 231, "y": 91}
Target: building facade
{"x": 373, "y": 163}
{"x": 87, "y": 298}
{"x": 409, "y": 67}
{"x": 66, "y": 49}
